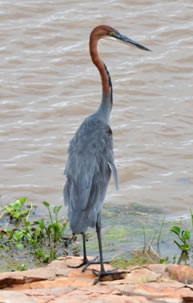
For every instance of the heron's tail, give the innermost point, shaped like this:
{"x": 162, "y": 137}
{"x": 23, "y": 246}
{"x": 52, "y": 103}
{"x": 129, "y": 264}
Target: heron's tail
{"x": 81, "y": 220}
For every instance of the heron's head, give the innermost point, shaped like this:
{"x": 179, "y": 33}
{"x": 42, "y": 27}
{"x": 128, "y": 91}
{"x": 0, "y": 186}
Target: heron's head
{"x": 105, "y": 31}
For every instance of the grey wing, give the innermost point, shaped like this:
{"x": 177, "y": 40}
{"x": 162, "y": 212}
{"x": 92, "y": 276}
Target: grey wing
{"x": 79, "y": 170}
{"x": 88, "y": 171}
{"x": 114, "y": 173}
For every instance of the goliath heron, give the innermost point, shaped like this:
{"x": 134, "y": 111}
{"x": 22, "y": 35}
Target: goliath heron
{"x": 90, "y": 156}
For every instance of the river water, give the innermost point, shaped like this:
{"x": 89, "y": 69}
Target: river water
{"x": 49, "y": 84}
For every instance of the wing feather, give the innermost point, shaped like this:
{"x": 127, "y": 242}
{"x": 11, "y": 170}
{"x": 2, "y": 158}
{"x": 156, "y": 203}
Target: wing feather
{"x": 114, "y": 173}
{"x": 88, "y": 169}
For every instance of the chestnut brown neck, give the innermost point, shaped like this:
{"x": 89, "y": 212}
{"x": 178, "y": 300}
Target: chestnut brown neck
{"x": 105, "y": 76}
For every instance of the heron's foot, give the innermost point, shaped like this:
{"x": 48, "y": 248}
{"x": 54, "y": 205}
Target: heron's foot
{"x": 113, "y": 275}
{"x": 91, "y": 262}
{"x": 77, "y": 266}
{"x": 86, "y": 263}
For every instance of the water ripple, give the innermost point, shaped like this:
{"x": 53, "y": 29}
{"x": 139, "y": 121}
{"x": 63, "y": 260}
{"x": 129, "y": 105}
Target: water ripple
{"x": 48, "y": 85}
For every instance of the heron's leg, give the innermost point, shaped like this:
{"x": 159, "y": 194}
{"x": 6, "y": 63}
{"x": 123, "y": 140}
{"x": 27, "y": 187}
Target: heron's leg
{"x": 85, "y": 259}
{"x": 98, "y": 230}
{"x": 85, "y": 263}
{"x": 103, "y": 272}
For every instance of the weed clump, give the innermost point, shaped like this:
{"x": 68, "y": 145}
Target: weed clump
{"x": 41, "y": 239}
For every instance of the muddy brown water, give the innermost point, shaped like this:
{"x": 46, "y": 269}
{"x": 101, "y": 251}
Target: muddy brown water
{"x": 48, "y": 85}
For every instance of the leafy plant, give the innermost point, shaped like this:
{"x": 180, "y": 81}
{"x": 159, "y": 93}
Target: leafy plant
{"x": 54, "y": 230}
{"x": 164, "y": 260}
{"x": 40, "y": 238}
{"x": 183, "y": 236}
{"x": 21, "y": 267}
{"x": 45, "y": 257}
{"x": 14, "y": 209}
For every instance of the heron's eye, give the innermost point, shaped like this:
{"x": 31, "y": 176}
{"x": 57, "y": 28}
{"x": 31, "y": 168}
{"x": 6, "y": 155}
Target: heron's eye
{"x": 112, "y": 34}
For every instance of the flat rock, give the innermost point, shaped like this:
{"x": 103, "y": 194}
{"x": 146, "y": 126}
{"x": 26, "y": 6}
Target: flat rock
{"x": 58, "y": 283}
{"x": 181, "y": 273}
{"x": 16, "y": 297}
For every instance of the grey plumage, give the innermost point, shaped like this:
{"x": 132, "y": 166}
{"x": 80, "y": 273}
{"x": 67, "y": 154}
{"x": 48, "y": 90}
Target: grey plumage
{"x": 88, "y": 170}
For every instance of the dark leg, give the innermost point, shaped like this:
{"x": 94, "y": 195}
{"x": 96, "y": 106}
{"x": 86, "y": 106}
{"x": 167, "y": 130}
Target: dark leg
{"x": 98, "y": 230}
{"x": 102, "y": 273}
{"x": 85, "y": 259}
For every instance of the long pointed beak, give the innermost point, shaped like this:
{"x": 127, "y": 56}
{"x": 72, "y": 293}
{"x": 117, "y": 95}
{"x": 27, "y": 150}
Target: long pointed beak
{"x": 125, "y": 39}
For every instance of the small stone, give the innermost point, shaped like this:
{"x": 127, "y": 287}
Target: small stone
{"x": 181, "y": 273}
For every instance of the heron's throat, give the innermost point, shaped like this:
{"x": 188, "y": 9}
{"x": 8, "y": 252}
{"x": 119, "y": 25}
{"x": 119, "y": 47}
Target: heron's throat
{"x": 106, "y": 82}
{"x": 105, "y": 107}
{"x": 110, "y": 90}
